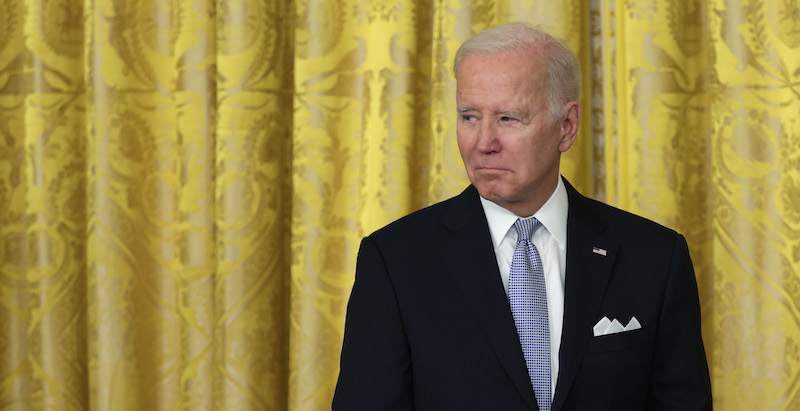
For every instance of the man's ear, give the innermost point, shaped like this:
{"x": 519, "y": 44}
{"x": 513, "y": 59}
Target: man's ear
{"x": 571, "y": 117}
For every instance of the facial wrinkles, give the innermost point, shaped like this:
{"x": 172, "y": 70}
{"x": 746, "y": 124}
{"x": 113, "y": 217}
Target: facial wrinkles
{"x": 495, "y": 106}
{"x": 523, "y": 100}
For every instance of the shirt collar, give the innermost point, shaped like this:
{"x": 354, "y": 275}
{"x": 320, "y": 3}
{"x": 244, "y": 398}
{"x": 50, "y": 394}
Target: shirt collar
{"x": 552, "y": 215}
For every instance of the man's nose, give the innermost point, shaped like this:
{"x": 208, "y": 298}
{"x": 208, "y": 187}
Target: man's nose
{"x": 488, "y": 141}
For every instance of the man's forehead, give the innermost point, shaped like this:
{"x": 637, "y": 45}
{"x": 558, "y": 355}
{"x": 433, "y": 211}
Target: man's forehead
{"x": 511, "y": 96}
{"x": 506, "y": 71}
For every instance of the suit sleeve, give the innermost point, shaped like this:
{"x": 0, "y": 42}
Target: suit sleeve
{"x": 680, "y": 369}
{"x": 375, "y": 367}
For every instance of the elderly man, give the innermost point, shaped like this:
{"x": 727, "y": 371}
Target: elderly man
{"x": 519, "y": 293}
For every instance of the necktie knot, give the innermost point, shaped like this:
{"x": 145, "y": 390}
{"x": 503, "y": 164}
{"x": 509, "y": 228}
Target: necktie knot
{"x": 525, "y": 228}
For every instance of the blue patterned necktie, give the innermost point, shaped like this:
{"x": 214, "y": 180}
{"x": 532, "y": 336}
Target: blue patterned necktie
{"x": 528, "y": 298}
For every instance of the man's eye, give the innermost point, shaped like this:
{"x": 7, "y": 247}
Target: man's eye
{"x": 467, "y": 117}
{"x": 507, "y": 119}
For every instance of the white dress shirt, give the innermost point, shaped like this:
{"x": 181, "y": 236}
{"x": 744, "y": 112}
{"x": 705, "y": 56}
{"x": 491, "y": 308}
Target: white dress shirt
{"x": 551, "y": 241}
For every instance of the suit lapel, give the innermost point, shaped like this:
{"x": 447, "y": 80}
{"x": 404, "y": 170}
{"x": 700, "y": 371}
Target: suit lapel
{"x": 470, "y": 258}
{"x": 587, "y": 274}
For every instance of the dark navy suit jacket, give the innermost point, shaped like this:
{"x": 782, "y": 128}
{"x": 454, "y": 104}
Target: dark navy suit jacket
{"x": 429, "y": 325}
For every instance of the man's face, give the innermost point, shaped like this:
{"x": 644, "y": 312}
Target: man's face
{"x": 510, "y": 143}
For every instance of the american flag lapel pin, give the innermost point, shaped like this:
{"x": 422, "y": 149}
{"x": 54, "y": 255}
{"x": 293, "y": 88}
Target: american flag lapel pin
{"x": 598, "y": 250}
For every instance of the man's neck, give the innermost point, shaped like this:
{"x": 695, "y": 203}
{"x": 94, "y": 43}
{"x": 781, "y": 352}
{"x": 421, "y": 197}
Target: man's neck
{"x": 527, "y": 208}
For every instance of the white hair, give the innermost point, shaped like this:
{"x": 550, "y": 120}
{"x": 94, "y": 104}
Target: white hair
{"x": 562, "y": 67}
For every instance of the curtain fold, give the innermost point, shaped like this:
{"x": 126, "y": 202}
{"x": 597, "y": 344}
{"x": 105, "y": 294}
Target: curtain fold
{"x": 184, "y": 184}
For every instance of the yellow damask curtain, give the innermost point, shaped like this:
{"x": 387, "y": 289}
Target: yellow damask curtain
{"x": 184, "y": 184}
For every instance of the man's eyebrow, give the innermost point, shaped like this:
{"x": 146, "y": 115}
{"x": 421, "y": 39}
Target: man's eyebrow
{"x": 512, "y": 112}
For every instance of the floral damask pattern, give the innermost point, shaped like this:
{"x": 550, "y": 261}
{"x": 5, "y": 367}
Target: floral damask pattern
{"x": 715, "y": 101}
{"x": 184, "y": 185}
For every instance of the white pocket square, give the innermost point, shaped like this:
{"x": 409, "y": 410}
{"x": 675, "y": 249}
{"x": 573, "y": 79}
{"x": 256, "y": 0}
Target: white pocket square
{"x": 606, "y": 326}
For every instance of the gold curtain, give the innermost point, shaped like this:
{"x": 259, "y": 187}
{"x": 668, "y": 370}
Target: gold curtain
{"x": 184, "y": 184}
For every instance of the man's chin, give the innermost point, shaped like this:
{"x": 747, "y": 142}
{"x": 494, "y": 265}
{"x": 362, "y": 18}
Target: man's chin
{"x": 492, "y": 194}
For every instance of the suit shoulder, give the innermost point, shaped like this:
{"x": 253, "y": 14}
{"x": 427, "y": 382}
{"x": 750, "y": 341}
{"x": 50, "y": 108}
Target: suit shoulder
{"x": 619, "y": 219}
{"x": 615, "y": 221}
{"x": 417, "y": 223}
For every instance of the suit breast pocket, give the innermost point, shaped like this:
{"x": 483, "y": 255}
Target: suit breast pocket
{"x": 626, "y": 340}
